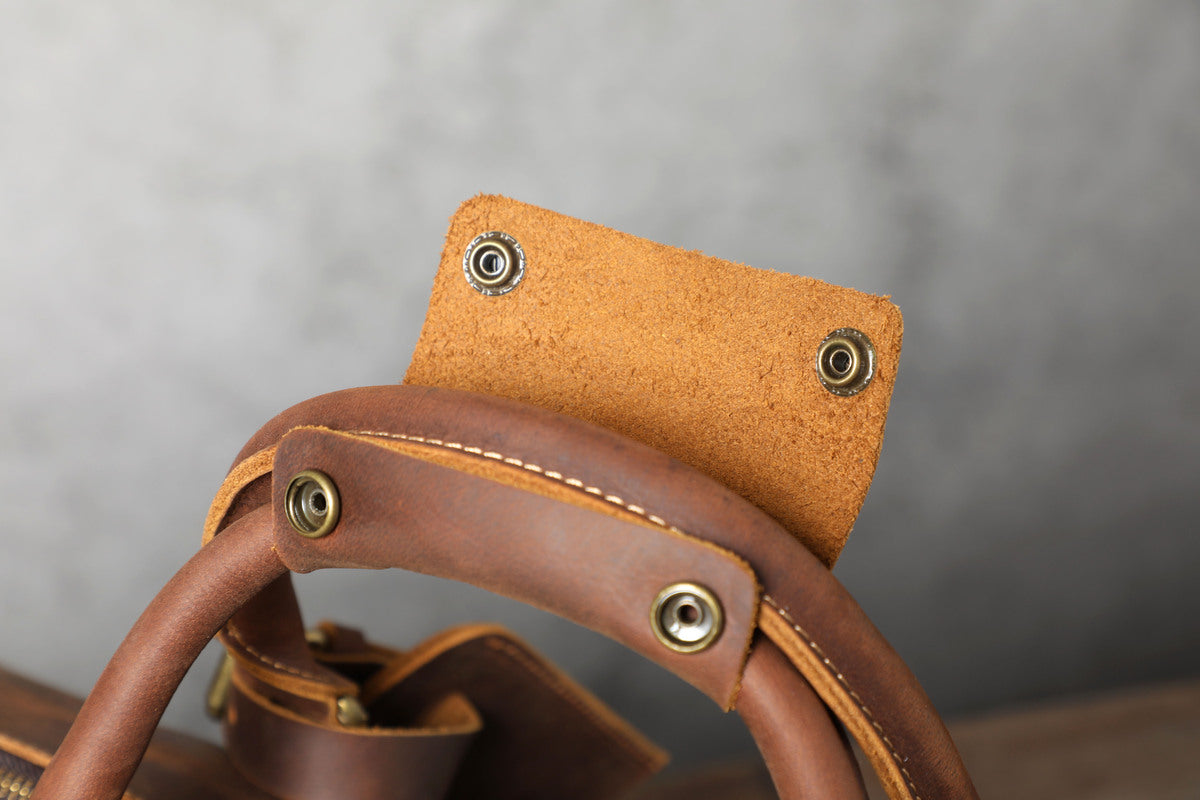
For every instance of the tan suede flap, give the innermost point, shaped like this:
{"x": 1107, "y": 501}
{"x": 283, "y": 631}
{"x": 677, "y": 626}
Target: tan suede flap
{"x": 708, "y": 361}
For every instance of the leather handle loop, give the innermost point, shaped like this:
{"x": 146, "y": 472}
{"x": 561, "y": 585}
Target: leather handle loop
{"x": 409, "y": 455}
{"x": 100, "y": 752}
{"x": 810, "y": 616}
{"x": 554, "y": 546}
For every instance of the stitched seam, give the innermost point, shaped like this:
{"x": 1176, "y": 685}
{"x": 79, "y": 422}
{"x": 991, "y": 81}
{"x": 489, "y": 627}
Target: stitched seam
{"x": 489, "y": 454}
{"x": 511, "y": 461}
{"x": 612, "y": 499}
{"x": 260, "y": 656}
{"x": 516, "y": 462}
{"x": 837, "y": 673}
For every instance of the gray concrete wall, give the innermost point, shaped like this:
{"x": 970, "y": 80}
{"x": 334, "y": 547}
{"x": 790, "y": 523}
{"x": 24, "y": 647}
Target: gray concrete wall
{"x": 212, "y": 210}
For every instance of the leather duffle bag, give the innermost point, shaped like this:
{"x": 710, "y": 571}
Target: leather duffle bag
{"x": 664, "y": 447}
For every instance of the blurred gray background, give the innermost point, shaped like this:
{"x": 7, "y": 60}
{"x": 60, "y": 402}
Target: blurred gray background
{"x": 212, "y": 210}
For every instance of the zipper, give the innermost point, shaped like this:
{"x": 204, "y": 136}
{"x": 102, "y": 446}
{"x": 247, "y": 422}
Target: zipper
{"x": 17, "y": 777}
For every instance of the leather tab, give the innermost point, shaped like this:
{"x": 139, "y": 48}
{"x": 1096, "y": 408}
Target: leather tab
{"x": 543, "y": 736}
{"x": 290, "y": 756}
{"x": 710, "y": 362}
{"x": 472, "y": 712}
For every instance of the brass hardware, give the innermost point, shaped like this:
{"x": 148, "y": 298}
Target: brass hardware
{"x": 350, "y": 712}
{"x": 14, "y": 786}
{"x": 686, "y": 617}
{"x": 217, "y": 696}
{"x": 311, "y": 503}
{"x": 318, "y": 639}
{"x": 846, "y": 362}
{"x": 494, "y": 263}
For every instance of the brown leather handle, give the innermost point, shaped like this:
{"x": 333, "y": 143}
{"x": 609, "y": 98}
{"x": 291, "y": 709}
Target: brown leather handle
{"x": 388, "y": 448}
{"x": 100, "y": 753}
{"x": 102, "y": 749}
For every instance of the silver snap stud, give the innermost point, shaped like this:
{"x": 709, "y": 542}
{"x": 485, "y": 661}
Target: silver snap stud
{"x": 494, "y": 263}
{"x": 311, "y": 503}
{"x": 686, "y": 617}
{"x": 846, "y": 362}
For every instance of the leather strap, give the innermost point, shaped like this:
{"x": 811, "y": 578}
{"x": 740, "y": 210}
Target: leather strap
{"x": 537, "y": 721}
{"x": 817, "y": 623}
{"x": 708, "y": 361}
{"x": 289, "y": 756}
{"x": 518, "y": 534}
{"x": 102, "y": 749}
{"x": 426, "y": 473}
{"x": 789, "y": 719}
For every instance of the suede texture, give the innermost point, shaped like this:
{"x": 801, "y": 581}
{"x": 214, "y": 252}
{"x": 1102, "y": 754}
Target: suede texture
{"x": 711, "y": 362}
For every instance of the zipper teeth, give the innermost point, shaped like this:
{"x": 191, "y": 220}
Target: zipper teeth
{"x": 14, "y": 786}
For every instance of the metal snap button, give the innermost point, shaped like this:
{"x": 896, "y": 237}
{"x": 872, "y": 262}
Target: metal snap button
{"x": 686, "y": 617}
{"x": 311, "y": 503}
{"x": 351, "y": 713}
{"x": 846, "y": 362}
{"x": 494, "y": 263}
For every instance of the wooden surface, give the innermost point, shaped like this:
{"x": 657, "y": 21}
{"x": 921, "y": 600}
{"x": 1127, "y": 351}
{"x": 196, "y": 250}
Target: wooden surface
{"x": 1142, "y": 744}
{"x": 1135, "y": 745}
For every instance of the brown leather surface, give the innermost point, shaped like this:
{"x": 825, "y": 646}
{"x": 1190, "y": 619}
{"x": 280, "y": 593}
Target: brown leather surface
{"x": 271, "y": 624}
{"x": 708, "y": 361}
{"x": 294, "y": 758}
{"x": 599, "y": 568}
{"x": 100, "y": 753}
{"x": 858, "y": 673}
{"x": 806, "y": 611}
{"x": 475, "y": 691}
{"x": 787, "y": 719}
{"x": 543, "y": 735}
{"x": 176, "y": 767}
{"x": 743, "y": 779}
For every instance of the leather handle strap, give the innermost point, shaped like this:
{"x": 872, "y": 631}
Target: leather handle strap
{"x": 100, "y": 752}
{"x": 812, "y": 618}
{"x": 430, "y": 436}
{"x": 99, "y": 755}
{"x": 522, "y": 535}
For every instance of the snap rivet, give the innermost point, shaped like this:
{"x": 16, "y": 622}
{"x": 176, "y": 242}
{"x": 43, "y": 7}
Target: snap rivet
{"x": 845, "y": 362}
{"x": 686, "y": 617}
{"x": 494, "y": 263}
{"x": 350, "y": 712}
{"x": 318, "y": 639}
{"x": 311, "y": 503}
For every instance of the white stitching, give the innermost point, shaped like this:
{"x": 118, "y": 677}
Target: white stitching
{"x": 842, "y": 680}
{"x": 657, "y": 520}
{"x": 516, "y": 462}
{"x": 236, "y": 634}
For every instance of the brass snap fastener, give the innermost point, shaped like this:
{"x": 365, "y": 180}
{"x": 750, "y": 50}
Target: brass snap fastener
{"x": 311, "y": 504}
{"x": 350, "y": 712}
{"x": 846, "y": 362}
{"x": 686, "y": 617}
{"x": 494, "y": 263}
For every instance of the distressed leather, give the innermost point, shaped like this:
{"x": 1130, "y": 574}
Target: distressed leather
{"x": 876, "y": 696}
{"x": 99, "y": 754}
{"x": 863, "y": 680}
{"x": 721, "y": 460}
{"x": 536, "y": 719}
{"x": 585, "y": 558}
{"x": 710, "y": 362}
{"x": 34, "y": 718}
